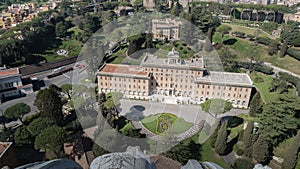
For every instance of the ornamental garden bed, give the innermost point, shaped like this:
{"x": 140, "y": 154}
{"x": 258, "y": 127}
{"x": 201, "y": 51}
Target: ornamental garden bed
{"x": 163, "y": 122}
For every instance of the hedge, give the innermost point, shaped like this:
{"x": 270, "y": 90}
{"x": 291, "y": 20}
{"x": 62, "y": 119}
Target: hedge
{"x": 257, "y": 67}
{"x": 293, "y": 53}
{"x": 265, "y": 41}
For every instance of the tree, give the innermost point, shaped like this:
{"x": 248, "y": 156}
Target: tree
{"x": 244, "y": 163}
{"x": 291, "y": 156}
{"x": 40, "y": 124}
{"x": 17, "y": 111}
{"x": 216, "y": 106}
{"x": 278, "y": 119}
{"x": 221, "y": 142}
{"x": 148, "y": 42}
{"x": 283, "y": 48}
{"x": 182, "y": 152}
{"x": 255, "y": 105}
{"x": 49, "y": 103}
{"x": 67, "y": 89}
{"x": 52, "y": 139}
{"x": 247, "y": 137}
{"x": 261, "y": 150}
{"x": 273, "y": 48}
{"x": 175, "y": 9}
{"x": 61, "y": 30}
{"x": 22, "y": 136}
{"x": 223, "y": 29}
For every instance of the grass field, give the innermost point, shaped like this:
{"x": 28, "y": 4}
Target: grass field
{"x": 72, "y": 46}
{"x": 242, "y": 51}
{"x": 246, "y": 30}
{"x": 163, "y": 122}
{"x": 264, "y": 86}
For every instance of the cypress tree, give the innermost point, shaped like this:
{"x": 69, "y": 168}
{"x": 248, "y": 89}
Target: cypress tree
{"x": 283, "y": 49}
{"x": 261, "y": 152}
{"x": 247, "y": 138}
{"x": 255, "y": 105}
{"x": 290, "y": 159}
{"x": 221, "y": 142}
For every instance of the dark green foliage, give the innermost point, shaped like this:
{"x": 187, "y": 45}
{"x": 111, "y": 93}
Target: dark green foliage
{"x": 148, "y": 42}
{"x": 135, "y": 43}
{"x": 272, "y": 48}
{"x": 255, "y": 105}
{"x": 240, "y": 152}
{"x": 250, "y": 37}
{"x": 261, "y": 150}
{"x": 49, "y": 103}
{"x": 61, "y": 30}
{"x": 239, "y": 34}
{"x": 40, "y": 124}
{"x": 182, "y": 152}
{"x": 247, "y": 138}
{"x": 264, "y": 69}
{"x": 278, "y": 85}
{"x": 22, "y": 136}
{"x": 291, "y": 79}
{"x": 269, "y": 27}
{"x": 278, "y": 119}
{"x": 17, "y": 111}
{"x": 283, "y": 49}
{"x": 242, "y": 163}
{"x": 265, "y": 41}
{"x": 51, "y": 138}
{"x": 293, "y": 53}
{"x": 221, "y": 142}
{"x": 291, "y": 156}
{"x": 235, "y": 121}
{"x": 290, "y": 34}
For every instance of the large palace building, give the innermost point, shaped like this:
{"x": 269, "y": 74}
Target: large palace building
{"x": 174, "y": 80}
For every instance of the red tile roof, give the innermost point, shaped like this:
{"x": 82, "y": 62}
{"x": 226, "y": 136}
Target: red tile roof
{"x": 123, "y": 69}
{"x": 9, "y": 72}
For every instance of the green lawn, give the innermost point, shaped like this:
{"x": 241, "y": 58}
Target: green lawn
{"x": 264, "y": 86}
{"x": 246, "y": 30}
{"x": 153, "y": 123}
{"x": 72, "y": 46}
{"x": 239, "y": 48}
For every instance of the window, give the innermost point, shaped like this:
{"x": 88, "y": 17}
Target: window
{"x": 245, "y": 96}
{"x": 207, "y": 93}
{"x": 240, "y": 96}
{"x": 234, "y": 95}
{"x": 203, "y": 86}
{"x": 235, "y": 89}
{"x": 246, "y": 90}
{"x": 129, "y": 86}
{"x": 228, "y": 94}
{"x": 208, "y": 86}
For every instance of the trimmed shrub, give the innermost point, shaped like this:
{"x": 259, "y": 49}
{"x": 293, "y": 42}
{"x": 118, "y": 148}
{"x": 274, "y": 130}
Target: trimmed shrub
{"x": 239, "y": 34}
{"x": 265, "y": 41}
{"x": 293, "y": 53}
{"x": 240, "y": 152}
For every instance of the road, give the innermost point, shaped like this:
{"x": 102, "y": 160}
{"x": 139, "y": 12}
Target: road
{"x": 30, "y": 97}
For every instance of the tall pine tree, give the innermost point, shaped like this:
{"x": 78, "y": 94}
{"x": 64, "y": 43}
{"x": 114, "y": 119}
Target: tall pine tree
{"x": 221, "y": 142}
{"x": 255, "y": 105}
{"x": 261, "y": 150}
{"x": 291, "y": 155}
{"x": 247, "y": 137}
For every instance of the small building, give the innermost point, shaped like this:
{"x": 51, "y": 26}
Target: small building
{"x": 166, "y": 29}
{"x": 11, "y": 84}
{"x": 291, "y": 17}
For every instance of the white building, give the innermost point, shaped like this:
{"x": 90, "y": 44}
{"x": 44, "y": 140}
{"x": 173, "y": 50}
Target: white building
{"x": 11, "y": 84}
